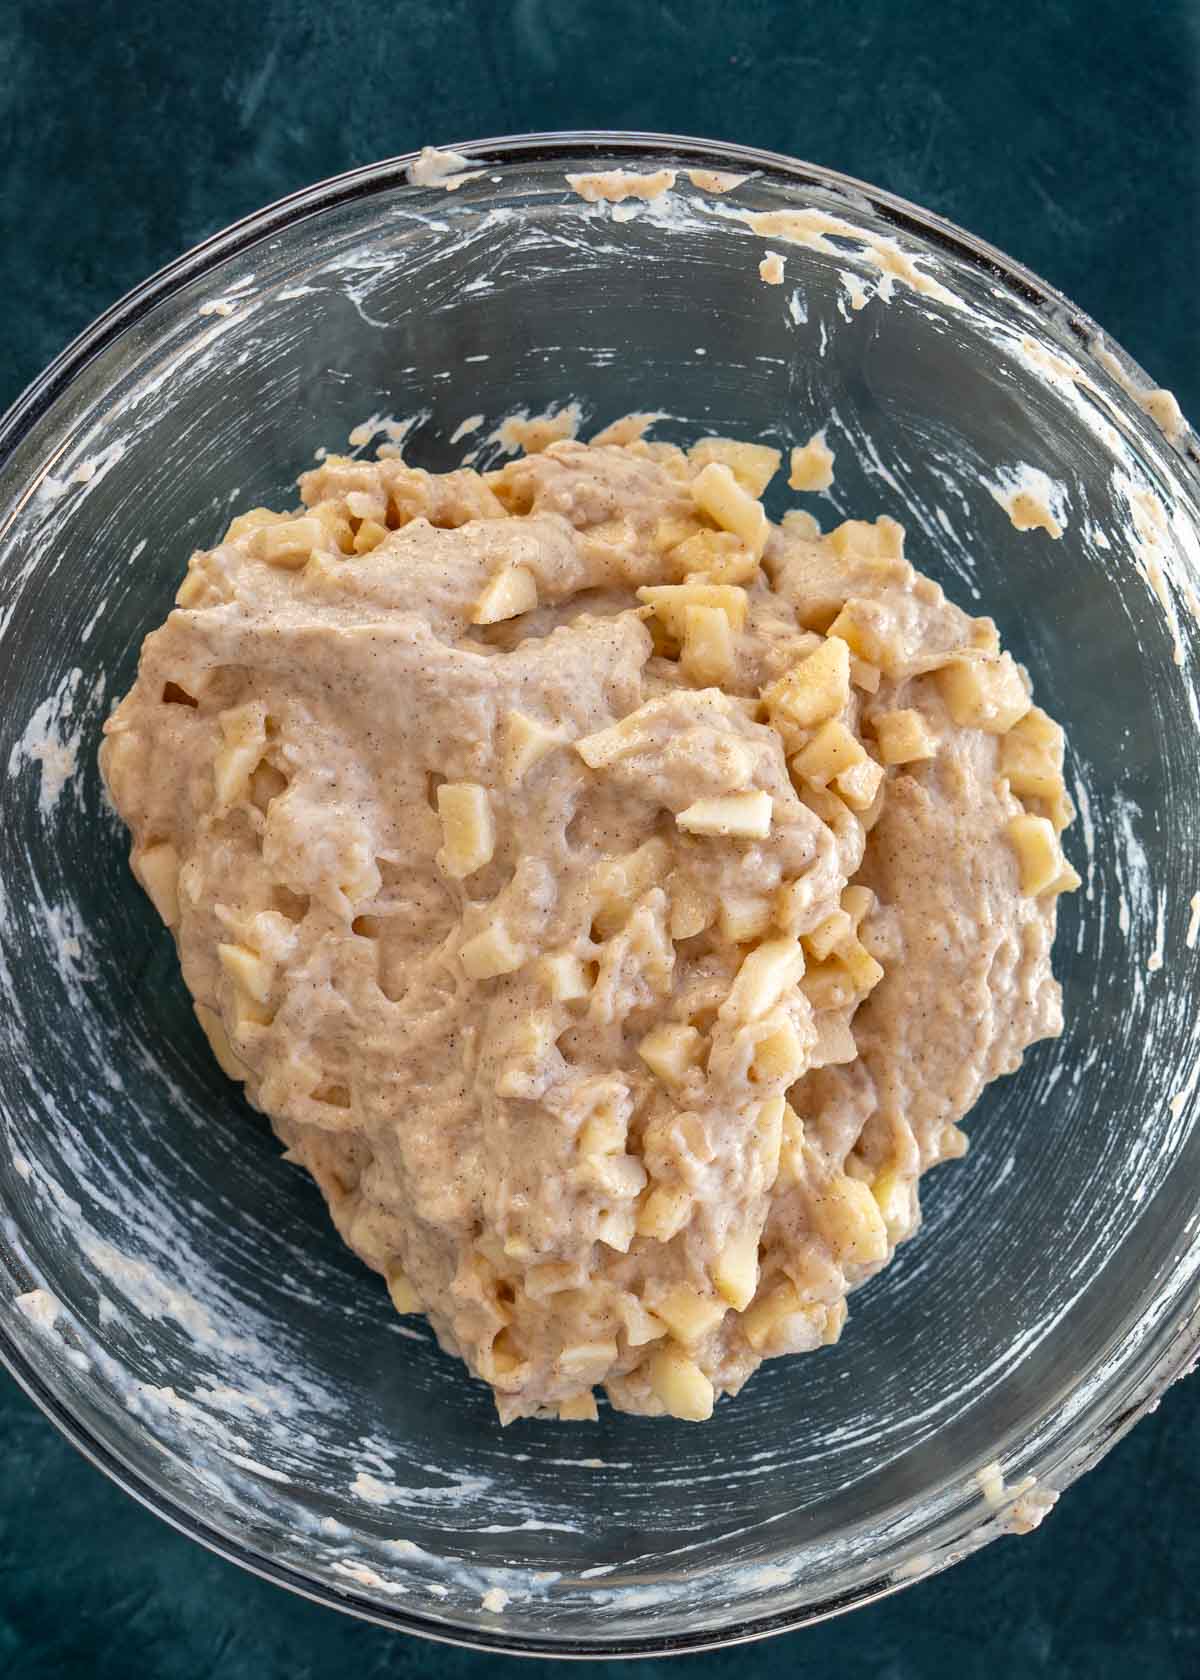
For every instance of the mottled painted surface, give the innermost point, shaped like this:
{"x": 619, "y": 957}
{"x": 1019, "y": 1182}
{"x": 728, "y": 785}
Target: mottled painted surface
{"x": 1068, "y": 135}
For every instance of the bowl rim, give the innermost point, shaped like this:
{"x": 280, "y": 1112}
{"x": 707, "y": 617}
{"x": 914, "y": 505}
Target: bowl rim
{"x": 1145, "y": 1378}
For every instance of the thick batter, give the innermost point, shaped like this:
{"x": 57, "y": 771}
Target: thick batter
{"x": 614, "y": 900}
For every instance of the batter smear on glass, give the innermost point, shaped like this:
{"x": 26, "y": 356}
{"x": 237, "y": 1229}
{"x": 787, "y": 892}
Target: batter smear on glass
{"x": 614, "y": 899}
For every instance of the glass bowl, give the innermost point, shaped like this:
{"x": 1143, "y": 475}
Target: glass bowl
{"x": 186, "y": 1314}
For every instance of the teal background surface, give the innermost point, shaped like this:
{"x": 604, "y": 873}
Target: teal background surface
{"x": 1068, "y": 133}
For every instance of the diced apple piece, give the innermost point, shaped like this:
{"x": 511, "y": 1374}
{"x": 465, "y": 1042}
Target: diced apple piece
{"x": 243, "y": 731}
{"x": 404, "y": 1297}
{"x": 864, "y": 971}
{"x": 580, "y": 1408}
{"x": 828, "y": 985}
{"x": 619, "y": 882}
{"x": 791, "y": 1152}
{"x": 641, "y": 1326}
{"x": 903, "y": 737}
{"x": 214, "y": 1031}
{"x": 812, "y": 465}
{"x": 779, "y": 1057}
{"x": 858, "y": 903}
{"x": 816, "y": 689}
{"x": 832, "y": 750}
{"x": 717, "y": 493}
{"x": 1069, "y": 880}
{"x": 289, "y": 545}
{"x": 835, "y": 1044}
{"x": 769, "y": 1137}
{"x": 893, "y": 1195}
{"x": 770, "y": 971}
{"x": 158, "y": 870}
{"x": 468, "y": 828}
{"x": 253, "y": 520}
{"x": 798, "y": 522}
{"x": 718, "y": 556}
{"x": 707, "y": 655}
{"x": 767, "y": 1313}
{"x": 742, "y": 919}
{"x": 688, "y": 1315}
{"x": 865, "y": 627}
{"x": 828, "y": 935}
{"x": 616, "y": 1227}
{"x": 865, "y": 675}
{"x": 491, "y": 953}
{"x": 369, "y": 536}
{"x": 754, "y": 465}
{"x": 670, "y": 601}
{"x": 847, "y": 1216}
{"x": 673, "y": 533}
{"x": 552, "y": 1277}
{"x": 249, "y": 972}
{"x": 691, "y": 911}
{"x": 1043, "y": 868}
{"x": 680, "y": 1384}
{"x": 565, "y": 976}
{"x": 860, "y": 784}
{"x": 510, "y": 593}
{"x": 984, "y": 693}
{"x": 739, "y": 816}
{"x": 194, "y": 586}
{"x": 736, "y": 1271}
{"x": 855, "y": 539}
{"x": 604, "y": 1132}
{"x": 664, "y": 1213}
{"x": 584, "y": 1358}
{"x": 1031, "y": 756}
{"x": 672, "y": 1051}
{"x": 525, "y": 743}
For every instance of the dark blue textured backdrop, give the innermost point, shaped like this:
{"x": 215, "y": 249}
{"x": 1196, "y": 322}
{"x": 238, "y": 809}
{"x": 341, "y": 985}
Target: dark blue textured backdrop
{"x": 1068, "y": 133}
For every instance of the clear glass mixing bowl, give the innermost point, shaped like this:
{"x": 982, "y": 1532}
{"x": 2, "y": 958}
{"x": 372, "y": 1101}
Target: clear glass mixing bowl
{"x": 200, "y": 1331}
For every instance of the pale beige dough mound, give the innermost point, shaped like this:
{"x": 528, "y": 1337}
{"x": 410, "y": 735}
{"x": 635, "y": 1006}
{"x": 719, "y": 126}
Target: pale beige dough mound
{"x": 613, "y": 899}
